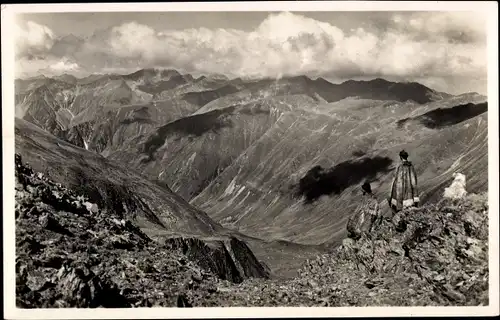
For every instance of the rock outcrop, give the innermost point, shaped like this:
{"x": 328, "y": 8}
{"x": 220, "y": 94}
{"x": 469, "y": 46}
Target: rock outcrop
{"x": 457, "y": 188}
{"x": 230, "y": 259}
{"x": 436, "y": 255}
{"x": 69, "y": 253}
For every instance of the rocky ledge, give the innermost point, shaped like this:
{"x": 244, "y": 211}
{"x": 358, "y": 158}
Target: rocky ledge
{"x": 230, "y": 259}
{"x": 435, "y": 255}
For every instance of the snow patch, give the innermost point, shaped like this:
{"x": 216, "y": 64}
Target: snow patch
{"x": 161, "y": 173}
{"x": 189, "y": 162}
{"x": 230, "y": 202}
{"x": 230, "y": 187}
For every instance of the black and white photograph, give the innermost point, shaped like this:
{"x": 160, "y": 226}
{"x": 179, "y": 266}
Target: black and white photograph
{"x": 325, "y": 156}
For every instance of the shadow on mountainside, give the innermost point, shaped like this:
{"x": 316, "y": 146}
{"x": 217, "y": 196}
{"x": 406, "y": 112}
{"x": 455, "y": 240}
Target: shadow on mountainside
{"x": 318, "y": 181}
{"x": 201, "y": 98}
{"x": 163, "y": 85}
{"x": 440, "y": 118}
{"x": 195, "y": 125}
{"x": 199, "y": 124}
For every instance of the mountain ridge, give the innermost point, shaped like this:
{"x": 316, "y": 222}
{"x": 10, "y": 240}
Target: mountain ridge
{"x": 169, "y": 72}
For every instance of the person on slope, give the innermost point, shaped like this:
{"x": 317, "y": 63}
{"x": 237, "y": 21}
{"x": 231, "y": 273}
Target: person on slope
{"x": 366, "y": 215}
{"x": 404, "y": 192}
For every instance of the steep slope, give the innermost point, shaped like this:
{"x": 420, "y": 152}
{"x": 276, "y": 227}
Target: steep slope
{"x": 109, "y": 184}
{"x": 112, "y": 127}
{"x": 155, "y": 81}
{"x": 160, "y": 213}
{"x": 151, "y": 75}
{"x": 250, "y": 171}
{"x": 105, "y": 92}
{"x": 80, "y": 110}
{"x": 190, "y": 152}
{"x": 436, "y": 255}
{"x": 39, "y": 107}
{"x": 68, "y": 78}
{"x": 101, "y": 112}
{"x": 201, "y": 98}
{"x": 38, "y": 100}
{"x": 58, "y": 105}
{"x": 379, "y": 89}
{"x": 70, "y": 253}
{"x": 264, "y": 192}
{"x": 251, "y": 155}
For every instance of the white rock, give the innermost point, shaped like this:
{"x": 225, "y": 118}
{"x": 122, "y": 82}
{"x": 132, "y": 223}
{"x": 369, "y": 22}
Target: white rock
{"x": 91, "y": 207}
{"x": 457, "y": 189}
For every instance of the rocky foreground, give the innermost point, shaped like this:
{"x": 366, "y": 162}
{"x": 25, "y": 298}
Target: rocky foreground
{"x": 431, "y": 256}
{"x": 70, "y": 253}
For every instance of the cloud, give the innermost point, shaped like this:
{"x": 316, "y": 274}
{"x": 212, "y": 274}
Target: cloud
{"x": 64, "y": 66}
{"x": 452, "y": 26}
{"x": 409, "y": 46}
{"x": 33, "y": 38}
{"x": 26, "y": 67}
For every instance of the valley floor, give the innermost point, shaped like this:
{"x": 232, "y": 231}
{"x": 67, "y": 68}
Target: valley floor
{"x": 72, "y": 254}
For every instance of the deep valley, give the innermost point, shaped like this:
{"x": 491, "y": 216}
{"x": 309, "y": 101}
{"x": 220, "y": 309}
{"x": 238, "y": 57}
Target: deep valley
{"x": 246, "y": 184}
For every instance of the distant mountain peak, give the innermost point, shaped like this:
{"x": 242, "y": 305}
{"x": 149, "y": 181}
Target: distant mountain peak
{"x": 299, "y": 77}
{"x": 71, "y": 38}
{"x": 218, "y": 76}
{"x": 379, "y": 80}
{"x": 374, "y": 81}
{"x": 153, "y": 72}
{"x": 38, "y": 77}
{"x": 67, "y": 78}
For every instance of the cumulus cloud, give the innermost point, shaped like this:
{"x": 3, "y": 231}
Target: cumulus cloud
{"x": 451, "y": 26}
{"x": 291, "y": 44}
{"x": 440, "y": 44}
{"x": 33, "y": 38}
{"x": 26, "y": 67}
{"x": 64, "y": 66}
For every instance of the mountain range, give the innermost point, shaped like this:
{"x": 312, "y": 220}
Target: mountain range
{"x": 274, "y": 163}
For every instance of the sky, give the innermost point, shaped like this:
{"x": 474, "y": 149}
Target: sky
{"x": 443, "y": 50}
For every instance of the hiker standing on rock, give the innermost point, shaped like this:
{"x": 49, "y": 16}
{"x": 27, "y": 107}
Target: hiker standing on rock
{"x": 404, "y": 191}
{"x": 366, "y": 216}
